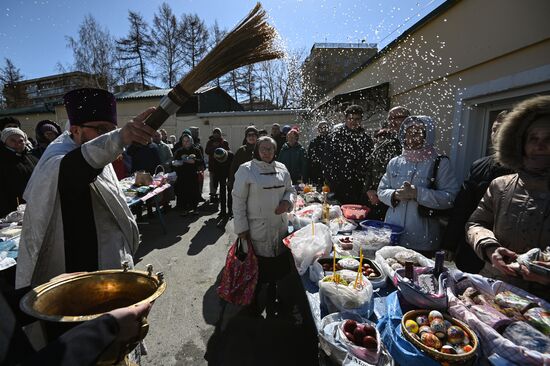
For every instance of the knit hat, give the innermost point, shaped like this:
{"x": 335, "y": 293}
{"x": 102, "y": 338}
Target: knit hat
{"x": 186, "y": 132}
{"x": 220, "y": 155}
{"x": 90, "y": 105}
{"x": 48, "y": 127}
{"x": 294, "y": 130}
{"x": 10, "y": 131}
{"x": 217, "y": 130}
{"x": 251, "y": 129}
{"x": 285, "y": 129}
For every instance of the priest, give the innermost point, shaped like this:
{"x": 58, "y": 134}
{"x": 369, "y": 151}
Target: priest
{"x": 76, "y": 217}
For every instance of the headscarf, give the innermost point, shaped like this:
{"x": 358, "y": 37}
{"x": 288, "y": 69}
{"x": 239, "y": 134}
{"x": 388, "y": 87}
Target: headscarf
{"x": 425, "y": 152}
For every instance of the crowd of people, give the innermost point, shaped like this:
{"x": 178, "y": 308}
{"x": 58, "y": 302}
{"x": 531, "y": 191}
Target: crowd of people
{"x": 71, "y": 188}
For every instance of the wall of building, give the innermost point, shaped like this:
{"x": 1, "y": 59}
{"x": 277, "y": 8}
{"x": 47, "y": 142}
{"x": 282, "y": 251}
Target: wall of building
{"x": 233, "y": 124}
{"x": 29, "y": 121}
{"x": 470, "y": 43}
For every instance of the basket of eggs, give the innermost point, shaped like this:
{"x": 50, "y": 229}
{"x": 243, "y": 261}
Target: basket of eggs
{"x": 442, "y": 337}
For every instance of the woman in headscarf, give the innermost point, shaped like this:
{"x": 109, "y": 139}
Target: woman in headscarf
{"x": 514, "y": 214}
{"x": 16, "y": 167}
{"x": 45, "y": 132}
{"x": 404, "y": 186}
{"x": 187, "y": 185}
{"x": 262, "y": 197}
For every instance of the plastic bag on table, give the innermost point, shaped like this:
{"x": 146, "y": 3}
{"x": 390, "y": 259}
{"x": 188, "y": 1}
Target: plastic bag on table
{"x": 436, "y": 298}
{"x": 307, "y": 246}
{"x": 339, "y": 297}
{"x": 491, "y": 341}
{"x": 304, "y": 216}
{"x": 401, "y": 252}
{"x": 340, "y": 224}
{"x": 402, "y": 351}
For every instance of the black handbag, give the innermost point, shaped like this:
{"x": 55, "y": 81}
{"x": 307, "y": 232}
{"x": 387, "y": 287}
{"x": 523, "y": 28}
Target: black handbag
{"x": 428, "y": 211}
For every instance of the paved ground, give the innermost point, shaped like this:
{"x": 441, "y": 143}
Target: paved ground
{"x": 189, "y": 324}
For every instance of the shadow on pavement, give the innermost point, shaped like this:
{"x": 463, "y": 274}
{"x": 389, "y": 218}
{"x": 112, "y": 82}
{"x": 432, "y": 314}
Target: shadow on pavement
{"x": 208, "y": 234}
{"x": 241, "y": 338}
{"x": 153, "y": 238}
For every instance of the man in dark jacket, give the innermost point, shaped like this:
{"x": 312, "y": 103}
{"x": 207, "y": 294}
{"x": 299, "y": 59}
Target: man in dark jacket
{"x": 145, "y": 158}
{"x": 386, "y": 147}
{"x": 293, "y": 156}
{"x": 214, "y": 142}
{"x": 244, "y": 153}
{"x": 482, "y": 172}
{"x": 277, "y": 135}
{"x": 16, "y": 167}
{"x": 317, "y": 155}
{"x": 220, "y": 166}
{"x": 349, "y": 150}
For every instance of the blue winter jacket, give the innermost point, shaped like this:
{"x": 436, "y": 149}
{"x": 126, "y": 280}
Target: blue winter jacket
{"x": 421, "y": 233}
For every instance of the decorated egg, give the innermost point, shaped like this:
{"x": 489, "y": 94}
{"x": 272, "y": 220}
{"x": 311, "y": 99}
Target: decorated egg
{"x": 422, "y": 320}
{"x": 438, "y": 327}
{"x": 433, "y": 315}
{"x": 430, "y": 340}
{"x": 411, "y": 326}
{"x": 448, "y": 349}
{"x": 425, "y": 329}
{"x": 447, "y": 323}
{"x": 467, "y": 348}
{"x": 455, "y": 335}
{"x": 466, "y": 339}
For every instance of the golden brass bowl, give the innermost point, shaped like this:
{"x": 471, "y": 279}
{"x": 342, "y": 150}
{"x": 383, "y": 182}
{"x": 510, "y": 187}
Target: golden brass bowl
{"x": 65, "y": 302}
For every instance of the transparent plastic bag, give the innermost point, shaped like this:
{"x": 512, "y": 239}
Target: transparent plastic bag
{"x": 307, "y": 245}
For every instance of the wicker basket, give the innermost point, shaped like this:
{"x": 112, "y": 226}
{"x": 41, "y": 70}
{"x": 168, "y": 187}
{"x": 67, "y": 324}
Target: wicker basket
{"x": 465, "y": 358}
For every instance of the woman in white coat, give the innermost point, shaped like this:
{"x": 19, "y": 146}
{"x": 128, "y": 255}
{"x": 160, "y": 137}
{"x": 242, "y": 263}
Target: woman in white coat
{"x": 405, "y": 186}
{"x": 262, "y": 196}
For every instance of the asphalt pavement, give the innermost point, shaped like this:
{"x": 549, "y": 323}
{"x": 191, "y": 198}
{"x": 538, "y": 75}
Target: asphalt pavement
{"x": 190, "y": 325}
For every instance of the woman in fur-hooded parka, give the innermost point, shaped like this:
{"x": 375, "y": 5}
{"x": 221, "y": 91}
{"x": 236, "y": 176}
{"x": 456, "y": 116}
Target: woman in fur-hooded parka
{"x": 514, "y": 214}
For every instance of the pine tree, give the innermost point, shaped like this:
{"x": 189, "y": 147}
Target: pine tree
{"x": 164, "y": 34}
{"x": 136, "y": 46}
{"x": 14, "y": 95}
{"x": 193, "y": 35}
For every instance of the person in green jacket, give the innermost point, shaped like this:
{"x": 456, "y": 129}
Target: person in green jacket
{"x": 293, "y": 156}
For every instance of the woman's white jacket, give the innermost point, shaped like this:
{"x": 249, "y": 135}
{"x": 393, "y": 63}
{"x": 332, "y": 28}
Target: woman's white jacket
{"x": 258, "y": 189}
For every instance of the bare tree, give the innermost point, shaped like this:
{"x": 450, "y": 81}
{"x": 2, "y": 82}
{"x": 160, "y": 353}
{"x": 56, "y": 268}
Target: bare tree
{"x": 136, "y": 46}
{"x": 248, "y": 83}
{"x": 216, "y": 35}
{"x": 13, "y": 95}
{"x": 194, "y": 36}
{"x": 232, "y": 81}
{"x": 164, "y": 34}
{"x": 281, "y": 80}
{"x": 93, "y": 51}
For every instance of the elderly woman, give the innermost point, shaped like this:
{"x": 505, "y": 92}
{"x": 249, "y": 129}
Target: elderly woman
{"x": 16, "y": 167}
{"x": 262, "y": 196}
{"x": 514, "y": 214}
{"x": 187, "y": 186}
{"x": 405, "y": 185}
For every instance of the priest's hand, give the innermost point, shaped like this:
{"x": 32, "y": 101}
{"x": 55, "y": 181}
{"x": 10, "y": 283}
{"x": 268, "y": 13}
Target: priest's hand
{"x": 136, "y": 131}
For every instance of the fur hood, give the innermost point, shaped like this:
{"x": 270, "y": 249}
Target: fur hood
{"x": 511, "y": 135}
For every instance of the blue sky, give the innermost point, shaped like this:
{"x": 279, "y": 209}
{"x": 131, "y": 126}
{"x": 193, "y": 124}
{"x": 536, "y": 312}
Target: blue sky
{"x": 32, "y": 32}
